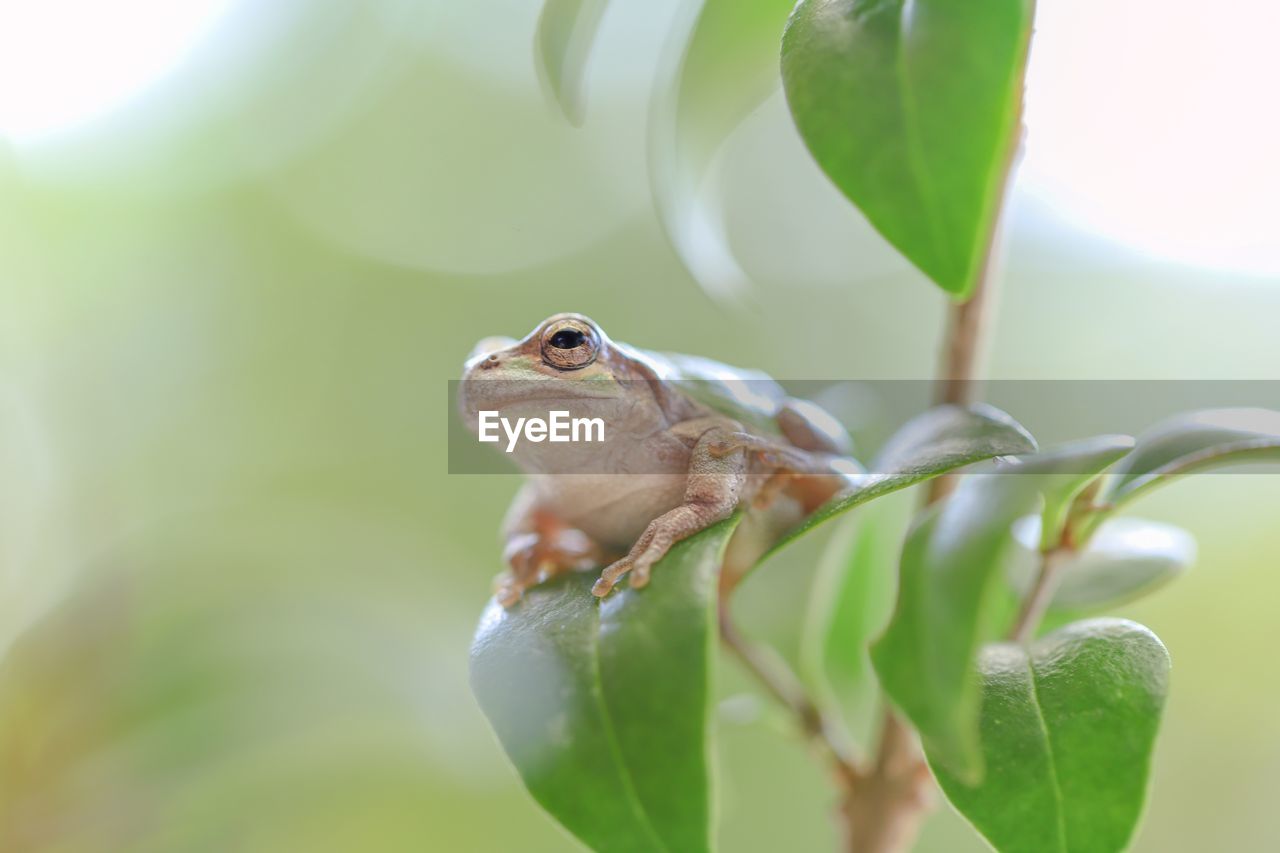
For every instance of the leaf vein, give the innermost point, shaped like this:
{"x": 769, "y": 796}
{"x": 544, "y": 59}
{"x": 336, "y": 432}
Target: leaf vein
{"x": 615, "y": 749}
{"x": 1048, "y": 749}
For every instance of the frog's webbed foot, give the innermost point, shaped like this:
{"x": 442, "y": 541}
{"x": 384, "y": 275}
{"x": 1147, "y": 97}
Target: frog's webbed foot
{"x": 537, "y": 557}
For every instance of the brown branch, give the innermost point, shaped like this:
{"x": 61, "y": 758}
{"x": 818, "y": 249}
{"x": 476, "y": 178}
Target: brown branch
{"x": 882, "y": 804}
{"x": 885, "y": 813}
{"x": 962, "y": 356}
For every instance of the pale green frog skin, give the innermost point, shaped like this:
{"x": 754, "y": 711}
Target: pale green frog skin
{"x": 693, "y": 440}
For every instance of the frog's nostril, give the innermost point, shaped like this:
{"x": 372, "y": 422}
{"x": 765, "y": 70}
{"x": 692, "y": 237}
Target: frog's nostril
{"x": 488, "y": 347}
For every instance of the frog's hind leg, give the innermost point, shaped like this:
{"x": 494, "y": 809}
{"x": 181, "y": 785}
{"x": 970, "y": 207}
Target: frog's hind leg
{"x": 810, "y": 427}
{"x": 539, "y": 546}
{"x": 716, "y": 478}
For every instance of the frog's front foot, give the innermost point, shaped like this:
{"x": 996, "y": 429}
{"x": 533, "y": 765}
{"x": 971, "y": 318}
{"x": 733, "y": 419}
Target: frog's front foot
{"x": 610, "y": 576}
{"x": 711, "y": 494}
{"x": 657, "y": 539}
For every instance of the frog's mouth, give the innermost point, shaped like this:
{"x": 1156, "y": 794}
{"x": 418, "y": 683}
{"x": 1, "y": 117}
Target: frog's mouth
{"x": 518, "y": 393}
{"x": 526, "y": 397}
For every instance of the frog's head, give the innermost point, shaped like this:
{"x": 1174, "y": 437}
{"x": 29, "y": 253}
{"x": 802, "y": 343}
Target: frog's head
{"x": 567, "y": 362}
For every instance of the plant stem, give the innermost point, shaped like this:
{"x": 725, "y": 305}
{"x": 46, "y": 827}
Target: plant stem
{"x": 1038, "y": 598}
{"x": 882, "y": 803}
{"x": 883, "y": 815}
{"x": 886, "y": 812}
{"x": 820, "y": 726}
{"x": 962, "y": 355}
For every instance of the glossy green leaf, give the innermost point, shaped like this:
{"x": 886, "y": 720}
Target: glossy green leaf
{"x": 913, "y": 110}
{"x": 1068, "y": 725}
{"x": 931, "y": 444}
{"x": 949, "y": 436}
{"x": 721, "y": 64}
{"x": 1196, "y": 441}
{"x": 566, "y": 31}
{"x": 1066, "y": 470}
{"x": 948, "y": 603}
{"x": 603, "y": 706}
{"x": 850, "y": 602}
{"x": 1125, "y": 559}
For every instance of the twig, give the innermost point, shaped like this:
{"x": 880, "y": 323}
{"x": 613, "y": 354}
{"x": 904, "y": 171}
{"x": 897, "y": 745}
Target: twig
{"x": 820, "y": 726}
{"x": 962, "y": 356}
{"x": 883, "y": 803}
{"x": 1038, "y": 598}
{"x": 886, "y": 814}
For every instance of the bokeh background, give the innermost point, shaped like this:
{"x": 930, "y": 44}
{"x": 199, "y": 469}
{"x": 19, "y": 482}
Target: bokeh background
{"x": 244, "y": 246}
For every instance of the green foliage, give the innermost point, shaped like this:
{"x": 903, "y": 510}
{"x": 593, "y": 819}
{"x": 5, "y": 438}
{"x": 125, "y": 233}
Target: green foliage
{"x": 1196, "y": 441}
{"x": 913, "y": 111}
{"x": 603, "y": 706}
{"x": 588, "y": 698}
{"x": 1064, "y": 472}
{"x": 1125, "y": 559}
{"x": 951, "y": 590}
{"x": 947, "y": 606}
{"x": 931, "y": 444}
{"x": 851, "y": 600}
{"x": 566, "y": 31}
{"x": 1068, "y": 726}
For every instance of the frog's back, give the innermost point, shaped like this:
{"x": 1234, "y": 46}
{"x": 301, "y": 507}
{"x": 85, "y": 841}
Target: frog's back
{"x": 754, "y": 399}
{"x": 750, "y": 397}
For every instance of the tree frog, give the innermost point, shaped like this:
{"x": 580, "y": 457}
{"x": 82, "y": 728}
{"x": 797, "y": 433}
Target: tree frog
{"x": 693, "y": 441}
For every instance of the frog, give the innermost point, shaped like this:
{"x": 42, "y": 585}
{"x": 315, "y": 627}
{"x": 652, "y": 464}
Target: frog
{"x": 694, "y": 442}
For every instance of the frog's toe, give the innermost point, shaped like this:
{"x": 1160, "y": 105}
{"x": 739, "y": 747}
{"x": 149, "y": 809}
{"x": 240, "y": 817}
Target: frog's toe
{"x": 548, "y": 569}
{"x": 507, "y": 592}
{"x": 643, "y": 566}
{"x": 639, "y": 576}
{"x": 610, "y": 577}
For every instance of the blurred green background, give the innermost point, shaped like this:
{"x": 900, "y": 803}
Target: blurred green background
{"x": 237, "y": 585}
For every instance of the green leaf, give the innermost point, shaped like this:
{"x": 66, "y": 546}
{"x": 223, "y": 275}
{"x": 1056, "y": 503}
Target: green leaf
{"x": 1125, "y": 559}
{"x": 913, "y": 110}
{"x": 1068, "y": 726}
{"x": 951, "y": 436}
{"x": 850, "y": 602}
{"x": 722, "y": 63}
{"x": 931, "y": 444}
{"x": 948, "y": 604}
{"x": 1195, "y": 441}
{"x": 603, "y": 706}
{"x": 566, "y": 31}
{"x": 1063, "y": 472}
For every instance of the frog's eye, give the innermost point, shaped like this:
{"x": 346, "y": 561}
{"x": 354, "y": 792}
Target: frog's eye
{"x": 569, "y": 344}
{"x": 567, "y": 339}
